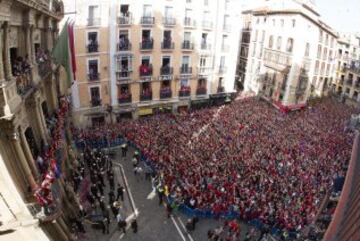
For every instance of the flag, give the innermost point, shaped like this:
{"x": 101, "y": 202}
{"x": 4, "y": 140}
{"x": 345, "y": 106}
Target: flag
{"x": 63, "y": 52}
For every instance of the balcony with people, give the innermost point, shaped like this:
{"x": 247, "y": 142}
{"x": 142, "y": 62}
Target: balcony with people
{"x": 166, "y": 69}
{"x": 124, "y": 94}
{"x": 95, "y": 101}
{"x": 201, "y": 87}
{"x": 124, "y": 69}
{"x": 21, "y": 70}
{"x": 93, "y": 45}
{"x": 165, "y": 90}
{"x": 125, "y": 17}
{"x": 167, "y": 43}
{"x": 145, "y": 69}
{"x": 184, "y": 91}
{"x": 93, "y": 74}
{"x": 146, "y": 92}
{"x": 124, "y": 43}
{"x": 43, "y": 60}
{"x": 147, "y": 42}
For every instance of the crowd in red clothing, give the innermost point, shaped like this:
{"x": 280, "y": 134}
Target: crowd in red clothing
{"x": 246, "y": 156}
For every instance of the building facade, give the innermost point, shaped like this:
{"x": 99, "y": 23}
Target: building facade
{"x": 278, "y": 60}
{"x": 347, "y": 82}
{"x": 135, "y": 57}
{"x": 28, "y": 100}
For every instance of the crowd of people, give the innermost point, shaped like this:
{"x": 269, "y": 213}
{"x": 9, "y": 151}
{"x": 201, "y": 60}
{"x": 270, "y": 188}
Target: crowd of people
{"x": 245, "y": 157}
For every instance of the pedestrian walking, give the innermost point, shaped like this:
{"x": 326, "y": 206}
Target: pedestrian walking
{"x": 120, "y": 193}
{"x": 134, "y": 226}
{"x": 121, "y": 222}
{"x": 124, "y": 149}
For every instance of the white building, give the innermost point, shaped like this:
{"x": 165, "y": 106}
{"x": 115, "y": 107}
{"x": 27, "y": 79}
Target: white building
{"x": 288, "y": 52}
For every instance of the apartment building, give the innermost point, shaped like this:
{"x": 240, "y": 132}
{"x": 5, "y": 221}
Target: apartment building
{"x": 287, "y": 53}
{"x": 348, "y": 55}
{"x": 29, "y": 100}
{"x": 137, "y": 57}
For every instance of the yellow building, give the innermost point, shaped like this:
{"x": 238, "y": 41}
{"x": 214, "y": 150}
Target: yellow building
{"x": 28, "y": 98}
{"x": 138, "y": 56}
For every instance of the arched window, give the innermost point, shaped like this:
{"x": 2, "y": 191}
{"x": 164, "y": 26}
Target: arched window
{"x": 271, "y": 42}
{"x": 289, "y": 46}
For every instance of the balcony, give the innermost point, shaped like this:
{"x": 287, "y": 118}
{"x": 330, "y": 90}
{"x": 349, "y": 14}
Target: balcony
{"x": 92, "y": 48}
{"x": 146, "y": 96}
{"x": 146, "y": 70}
{"x": 147, "y": 45}
{"x": 167, "y": 45}
{"x": 204, "y": 70}
{"x": 187, "y": 45}
{"x": 277, "y": 59}
{"x": 185, "y": 70}
{"x": 184, "y": 91}
{"x": 357, "y": 85}
{"x": 201, "y": 90}
{"x": 227, "y": 28}
{"x": 44, "y": 64}
{"x": 165, "y": 93}
{"x": 93, "y": 76}
{"x": 222, "y": 69}
{"x": 169, "y": 21}
{"x": 23, "y": 83}
{"x": 225, "y": 48}
{"x": 147, "y": 20}
{"x": 207, "y": 24}
{"x": 125, "y": 98}
{"x": 189, "y": 23}
{"x": 95, "y": 102}
{"x": 123, "y": 74}
{"x": 166, "y": 70}
{"x": 220, "y": 89}
{"x": 125, "y": 19}
{"x": 125, "y": 46}
{"x": 205, "y": 46}
{"x": 93, "y": 22}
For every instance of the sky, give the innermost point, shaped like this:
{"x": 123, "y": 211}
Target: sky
{"x": 342, "y": 15}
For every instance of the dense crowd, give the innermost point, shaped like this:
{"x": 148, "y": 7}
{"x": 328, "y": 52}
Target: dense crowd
{"x": 245, "y": 157}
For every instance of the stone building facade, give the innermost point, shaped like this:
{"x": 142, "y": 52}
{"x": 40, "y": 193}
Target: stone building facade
{"x": 29, "y": 97}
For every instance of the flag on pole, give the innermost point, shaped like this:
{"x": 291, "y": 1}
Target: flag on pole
{"x": 64, "y": 54}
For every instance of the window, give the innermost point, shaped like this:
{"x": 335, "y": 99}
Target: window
{"x": 321, "y": 36}
{"x": 289, "y": 46}
{"x": 256, "y": 35}
{"x": 274, "y": 22}
{"x": 293, "y": 23}
{"x": 307, "y": 50}
{"x": 282, "y": 22}
{"x": 271, "y": 42}
{"x": 257, "y": 20}
{"x": 147, "y": 11}
{"x": 187, "y": 36}
{"x": 324, "y": 57}
{"x": 317, "y": 65}
{"x": 262, "y": 36}
{"x": 224, "y": 40}
{"x": 188, "y": 1}
{"x": 332, "y": 42}
{"x": 168, "y": 12}
{"x": 95, "y": 93}
{"x": 93, "y": 67}
{"x": 222, "y": 62}
{"x": 319, "y": 52}
{"x": 327, "y": 39}
{"x": 93, "y": 12}
{"x": 227, "y": 2}
{"x": 254, "y": 50}
{"x": 330, "y": 55}
{"x": 278, "y": 43}
{"x": 226, "y": 22}
{"x": 206, "y": 2}
{"x": 186, "y": 61}
{"x": 184, "y": 82}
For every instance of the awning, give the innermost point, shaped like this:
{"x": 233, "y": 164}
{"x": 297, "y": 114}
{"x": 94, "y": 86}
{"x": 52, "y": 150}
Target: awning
{"x": 145, "y": 111}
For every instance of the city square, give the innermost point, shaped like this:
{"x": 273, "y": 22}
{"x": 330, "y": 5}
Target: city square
{"x": 179, "y": 120}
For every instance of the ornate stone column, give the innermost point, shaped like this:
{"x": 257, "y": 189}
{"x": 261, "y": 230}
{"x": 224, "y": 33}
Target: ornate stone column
{"x": 15, "y": 140}
{"x": 7, "y": 62}
{"x": 28, "y": 154}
